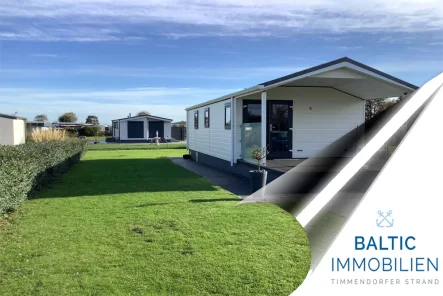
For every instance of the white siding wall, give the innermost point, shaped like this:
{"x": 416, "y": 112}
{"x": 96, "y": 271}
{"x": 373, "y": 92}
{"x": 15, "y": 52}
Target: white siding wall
{"x": 215, "y": 140}
{"x": 6, "y": 131}
{"x": 19, "y": 131}
{"x": 167, "y": 130}
{"x": 189, "y": 125}
{"x": 321, "y": 116}
{"x": 123, "y": 130}
{"x": 12, "y": 131}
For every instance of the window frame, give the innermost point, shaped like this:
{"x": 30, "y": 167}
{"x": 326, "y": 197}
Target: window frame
{"x": 196, "y": 119}
{"x": 206, "y": 120}
{"x": 245, "y": 116}
{"x": 228, "y": 107}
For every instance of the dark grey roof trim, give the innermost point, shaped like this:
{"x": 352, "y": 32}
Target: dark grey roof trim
{"x": 11, "y": 116}
{"x": 151, "y": 116}
{"x": 335, "y": 62}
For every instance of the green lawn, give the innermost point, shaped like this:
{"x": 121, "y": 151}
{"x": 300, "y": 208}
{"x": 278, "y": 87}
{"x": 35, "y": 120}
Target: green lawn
{"x": 137, "y": 146}
{"x": 133, "y": 223}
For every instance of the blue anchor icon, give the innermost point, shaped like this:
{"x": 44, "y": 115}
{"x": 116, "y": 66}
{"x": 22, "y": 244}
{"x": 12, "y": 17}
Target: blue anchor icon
{"x": 384, "y": 218}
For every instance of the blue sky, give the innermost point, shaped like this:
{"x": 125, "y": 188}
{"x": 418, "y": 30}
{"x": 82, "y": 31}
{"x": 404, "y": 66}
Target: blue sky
{"x": 112, "y": 58}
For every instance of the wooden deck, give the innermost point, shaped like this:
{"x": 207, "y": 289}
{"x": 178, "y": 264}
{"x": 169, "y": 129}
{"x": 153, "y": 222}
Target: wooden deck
{"x": 321, "y": 164}
{"x": 283, "y": 165}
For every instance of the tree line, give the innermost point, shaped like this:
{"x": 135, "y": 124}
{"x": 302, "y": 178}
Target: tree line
{"x": 374, "y": 107}
{"x": 72, "y": 117}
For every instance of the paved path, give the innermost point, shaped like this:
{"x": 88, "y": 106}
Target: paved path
{"x": 235, "y": 184}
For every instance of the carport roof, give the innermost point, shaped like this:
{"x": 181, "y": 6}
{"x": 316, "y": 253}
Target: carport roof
{"x": 336, "y": 62}
{"x": 344, "y": 74}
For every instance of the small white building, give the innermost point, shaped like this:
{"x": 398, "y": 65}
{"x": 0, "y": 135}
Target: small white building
{"x": 295, "y": 116}
{"x": 141, "y": 128}
{"x": 12, "y": 130}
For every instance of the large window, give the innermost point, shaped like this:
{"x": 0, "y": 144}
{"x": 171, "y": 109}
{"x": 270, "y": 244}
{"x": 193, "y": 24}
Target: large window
{"x": 228, "y": 116}
{"x": 251, "y": 111}
{"x": 196, "y": 119}
{"x": 207, "y": 117}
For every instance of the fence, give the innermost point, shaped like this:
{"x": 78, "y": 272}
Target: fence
{"x": 178, "y": 133}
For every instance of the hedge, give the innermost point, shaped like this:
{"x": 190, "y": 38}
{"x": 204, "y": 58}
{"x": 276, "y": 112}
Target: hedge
{"x": 24, "y": 169}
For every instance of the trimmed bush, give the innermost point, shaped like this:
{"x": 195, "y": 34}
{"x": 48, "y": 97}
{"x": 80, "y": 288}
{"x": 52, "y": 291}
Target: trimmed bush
{"x": 24, "y": 169}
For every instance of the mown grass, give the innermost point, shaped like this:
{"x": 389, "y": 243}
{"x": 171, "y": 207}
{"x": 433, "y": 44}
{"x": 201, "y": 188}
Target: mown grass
{"x": 133, "y": 223}
{"x": 147, "y": 146}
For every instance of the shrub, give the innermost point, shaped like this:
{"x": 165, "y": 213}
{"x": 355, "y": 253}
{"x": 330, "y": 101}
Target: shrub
{"x": 259, "y": 154}
{"x": 43, "y": 135}
{"x": 71, "y": 132}
{"x": 24, "y": 169}
{"x": 90, "y": 131}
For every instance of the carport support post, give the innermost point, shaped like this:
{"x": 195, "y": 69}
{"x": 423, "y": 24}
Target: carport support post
{"x": 233, "y": 130}
{"x": 263, "y": 123}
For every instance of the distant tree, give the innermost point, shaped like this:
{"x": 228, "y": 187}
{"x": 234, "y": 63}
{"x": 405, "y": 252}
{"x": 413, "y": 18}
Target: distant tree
{"x": 41, "y": 117}
{"x": 90, "y": 131}
{"x": 92, "y": 119}
{"x": 179, "y": 124}
{"x": 141, "y": 113}
{"x": 68, "y": 117}
{"x": 373, "y": 107}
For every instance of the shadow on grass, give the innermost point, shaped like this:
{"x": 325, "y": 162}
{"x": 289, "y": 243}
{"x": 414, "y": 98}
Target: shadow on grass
{"x": 128, "y": 147}
{"x": 215, "y": 200}
{"x": 153, "y": 204}
{"x": 119, "y": 176}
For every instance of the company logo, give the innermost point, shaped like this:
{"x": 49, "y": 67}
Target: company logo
{"x": 385, "y": 220}
{"x": 396, "y": 253}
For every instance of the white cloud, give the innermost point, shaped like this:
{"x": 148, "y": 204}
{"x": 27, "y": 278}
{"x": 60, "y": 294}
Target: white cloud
{"x": 208, "y": 73}
{"x": 347, "y": 48}
{"x": 44, "y": 55}
{"x": 98, "y": 20}
{"x": 61, "y": 32}
{"x": 220, "y": 34}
